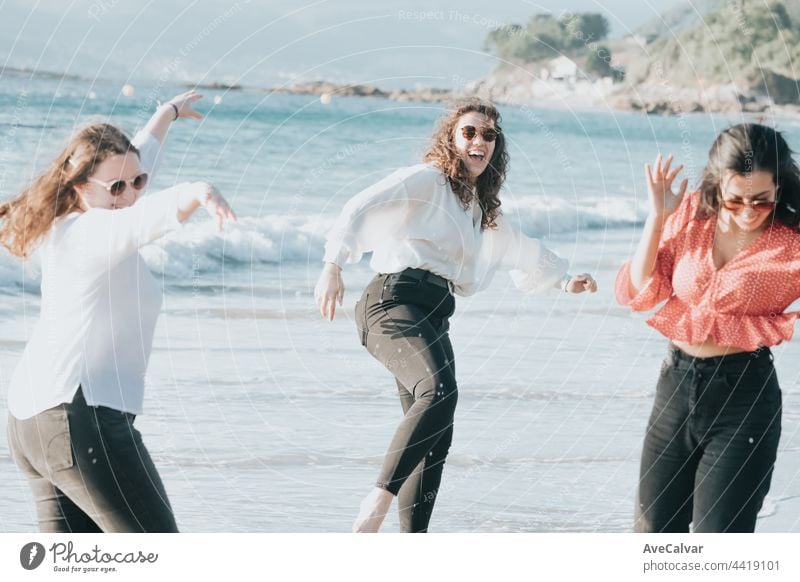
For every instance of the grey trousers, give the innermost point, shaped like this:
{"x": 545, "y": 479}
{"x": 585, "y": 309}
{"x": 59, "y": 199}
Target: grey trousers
{"x": 89, "y": 470}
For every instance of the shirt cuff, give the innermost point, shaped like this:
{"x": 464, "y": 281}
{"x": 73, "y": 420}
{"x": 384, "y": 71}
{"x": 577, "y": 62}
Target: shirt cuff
{"x": 545, "y": 277}
{"x": 651, "y": 294}
{"x": 337, "y": 254}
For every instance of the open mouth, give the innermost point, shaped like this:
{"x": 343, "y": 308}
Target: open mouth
{"x": 476, "y": 155}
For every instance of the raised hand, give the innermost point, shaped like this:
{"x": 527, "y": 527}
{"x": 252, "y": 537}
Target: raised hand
{"x": 185, "y": 104}
{"x": 663, "y": 201}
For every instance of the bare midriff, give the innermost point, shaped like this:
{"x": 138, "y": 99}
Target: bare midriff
{"x": 707, "y": 349}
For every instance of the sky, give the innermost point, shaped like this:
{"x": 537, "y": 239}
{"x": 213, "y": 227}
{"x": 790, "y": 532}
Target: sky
{"x": 389, "y": 43}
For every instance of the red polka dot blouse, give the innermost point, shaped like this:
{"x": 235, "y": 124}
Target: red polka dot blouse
{"x": 741, "y": 304}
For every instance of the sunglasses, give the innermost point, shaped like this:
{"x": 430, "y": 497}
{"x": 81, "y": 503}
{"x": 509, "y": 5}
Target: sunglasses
{"x": 487, "y": 133}
{"x": 117, "y": 187}
{"x": 757, "y": 205}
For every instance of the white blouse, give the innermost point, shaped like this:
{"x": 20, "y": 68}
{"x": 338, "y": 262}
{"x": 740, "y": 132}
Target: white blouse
{"x": 99, "y": 307}
{"x": 413, "y": 219}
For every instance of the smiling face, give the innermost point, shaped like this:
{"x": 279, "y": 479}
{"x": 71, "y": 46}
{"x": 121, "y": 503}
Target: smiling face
{"x": 748, "y": 188}
{"x": 476, "y": 152}
{"x": 118, "y": 167}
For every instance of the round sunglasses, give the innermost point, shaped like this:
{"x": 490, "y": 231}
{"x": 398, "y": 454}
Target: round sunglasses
{"x": 737, "y": 205}
{"x": 117, "y": 187}
{"x": 487, "y": 133}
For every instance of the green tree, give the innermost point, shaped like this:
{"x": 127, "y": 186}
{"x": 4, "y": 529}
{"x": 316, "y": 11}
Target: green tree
{"x": 546, "y": 37}
{"x": 501, "y": 41}
{"x": 581, "y": 29}
{"x": 598, "y": 63}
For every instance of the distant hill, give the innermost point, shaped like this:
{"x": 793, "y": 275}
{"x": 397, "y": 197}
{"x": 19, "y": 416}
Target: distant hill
{"x": 691, "y": 13}
{"x": 702, "y": 55}
{"x": 748, "y": 47}
{"x": 677, "y": 18}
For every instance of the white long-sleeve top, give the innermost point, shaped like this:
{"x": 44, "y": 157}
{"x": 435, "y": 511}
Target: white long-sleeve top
{"x": 413, "y": 219}
{"x": 99, "y": 306}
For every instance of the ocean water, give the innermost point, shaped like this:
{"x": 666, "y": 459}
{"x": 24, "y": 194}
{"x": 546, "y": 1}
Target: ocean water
{"x": 262, "y": 416}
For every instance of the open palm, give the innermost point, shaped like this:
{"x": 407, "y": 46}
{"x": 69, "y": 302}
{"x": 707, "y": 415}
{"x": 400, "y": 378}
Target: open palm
{"x": 663, "y": 201}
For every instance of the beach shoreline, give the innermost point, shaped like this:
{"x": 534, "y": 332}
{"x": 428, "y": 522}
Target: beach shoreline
{"x": 518, "y": 86}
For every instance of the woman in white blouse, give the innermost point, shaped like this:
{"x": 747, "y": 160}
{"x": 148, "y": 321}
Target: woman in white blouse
{"x": 434, "y": 229}
{"x": 80, "y": 384}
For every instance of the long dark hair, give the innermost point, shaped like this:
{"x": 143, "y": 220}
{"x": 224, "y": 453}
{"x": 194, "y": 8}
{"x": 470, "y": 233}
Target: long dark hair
{"x": 746, "y": 148}
{"x": 443, "y": 153}
{"x": 30, "y": 215}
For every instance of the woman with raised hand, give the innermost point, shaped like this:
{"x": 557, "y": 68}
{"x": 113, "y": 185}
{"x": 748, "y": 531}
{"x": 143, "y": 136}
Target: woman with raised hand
{"x": 75, "y": 394}
{"x": 726, "y": 259}
{"x": 434, "y": 229}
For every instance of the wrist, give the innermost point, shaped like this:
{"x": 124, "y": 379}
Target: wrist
{"x": 202, "y": 192}
{"x": 564, "y": 282}
{"x": 331, "y": 266}
{"x": 657, "y": 221}
{"x": 171, "y": 108}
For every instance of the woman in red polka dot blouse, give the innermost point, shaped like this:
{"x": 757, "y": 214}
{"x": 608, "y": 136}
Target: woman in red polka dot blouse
{"x": 726, "y": 259}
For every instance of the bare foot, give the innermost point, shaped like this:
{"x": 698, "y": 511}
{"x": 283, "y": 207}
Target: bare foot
{"x": 373, "y": 509}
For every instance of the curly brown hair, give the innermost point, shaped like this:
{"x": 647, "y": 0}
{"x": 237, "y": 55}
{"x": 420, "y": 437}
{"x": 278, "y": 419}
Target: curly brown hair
{"x": 444, "y": 155}
{"x": 30, "y": 215}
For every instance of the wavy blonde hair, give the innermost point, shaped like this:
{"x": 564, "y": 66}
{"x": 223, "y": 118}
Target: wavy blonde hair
{"x": 443, "y": 154}
{"x": 30, "y": 215}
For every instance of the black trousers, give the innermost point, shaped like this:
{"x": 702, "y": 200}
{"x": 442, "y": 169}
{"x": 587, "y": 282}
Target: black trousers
{"x": 403, "y": 322}
{"x": 89, "y": 470}
{"x": 711, "y": 443}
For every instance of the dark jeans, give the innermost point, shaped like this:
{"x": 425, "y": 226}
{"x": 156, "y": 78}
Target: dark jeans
{"x": 89, "y": 470}
{"x": 403, "y": 323}
{"x": 711, "y": 443}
